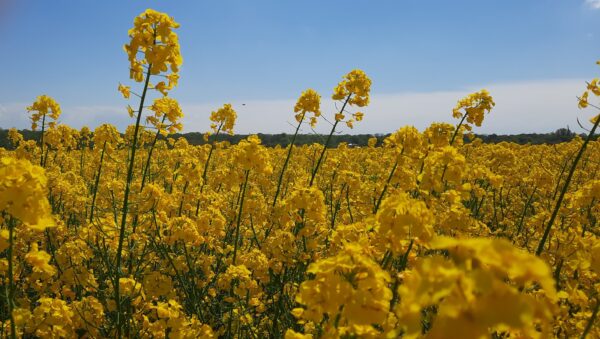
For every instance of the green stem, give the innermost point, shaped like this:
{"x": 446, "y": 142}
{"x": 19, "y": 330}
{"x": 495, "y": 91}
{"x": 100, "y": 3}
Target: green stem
{"x": 126, "y": 205}
{"x": 452, "y": 142}
{"x": 527, "y": 204}
{"x": 590, "y": 323}
{"x": 149, "y": 158}
{"x": 540, "y": 248}
{"x": 212, "y": 148}
{"x": 386, "y": 186}
{"x": 42, "y": 140}
{"x": 458, "y": 128}
{"x": 239, "y": 219}
{"x": 314, "y": 173}
{"x": 11, "y": 285}
{"x": 182, "y": 198}
{"x": 97, "y": 182}
{"x": 205, "y": 171}
{"x": 287, "y": 159}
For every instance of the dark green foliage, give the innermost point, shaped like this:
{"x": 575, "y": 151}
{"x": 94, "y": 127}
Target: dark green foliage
{"x": 282, "y": 139}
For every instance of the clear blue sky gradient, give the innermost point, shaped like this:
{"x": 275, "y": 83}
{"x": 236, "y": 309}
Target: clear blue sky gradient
{"x": 269, "y": 50}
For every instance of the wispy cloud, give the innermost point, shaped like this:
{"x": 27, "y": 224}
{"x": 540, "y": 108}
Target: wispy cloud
{"x": 595, "y": 4}
{"x": 521, "y": 107}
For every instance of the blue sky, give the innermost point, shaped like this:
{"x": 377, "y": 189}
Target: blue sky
{"x": 421, "y": 55}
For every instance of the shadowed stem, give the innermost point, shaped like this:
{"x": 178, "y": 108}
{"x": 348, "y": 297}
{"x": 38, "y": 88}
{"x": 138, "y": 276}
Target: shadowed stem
{"x": 314, "y": 173}
{"x": 452, "y": 141}
{"x": 97, "y": 182}
{"x": 205, "y": 171}
{"x": 144, "y": 176}
{"x": 126, "y": 205}
{"x": 239, "y": 218}
{"x": 287, "y": 159}
{"x": 387, "y": 183}
{"x": 149, "y": 158}
{"x": 540, "y": 248}
{"x": 458, "y": 128}
{"x": 11, "y": 285}
{"x": 590, "y": 323}
{"x": 42, "y": 140}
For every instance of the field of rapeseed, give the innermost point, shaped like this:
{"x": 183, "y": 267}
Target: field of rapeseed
{"x": 135, "y": 234}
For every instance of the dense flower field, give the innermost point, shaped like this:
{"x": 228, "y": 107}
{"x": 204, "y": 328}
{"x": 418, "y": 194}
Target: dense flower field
{"x": 137, "y": 234}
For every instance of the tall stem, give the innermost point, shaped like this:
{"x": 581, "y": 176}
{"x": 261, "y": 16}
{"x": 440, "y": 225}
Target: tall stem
{"x": 458, "y": 128}
{"x": 205, "y": 171}
{"x": 314, "y": 173}
{"x": 97, "y": 182}
{"x": 540, "y": 248}
{"x": 239, "y": 218}
{"x": 590, "y": 323}
{"x": 126, "y": 204}
{"x": 452, "y": 142}
{"x": 387, "y": 183}
{"x": 11, "y": 284}
{"x": 42, "y": 140}
{"x": 212, "y": 148}
{"x": 149, "y": 158}
{"x": 287, "y": 159}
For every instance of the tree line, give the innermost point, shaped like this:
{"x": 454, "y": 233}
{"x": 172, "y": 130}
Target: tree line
{"x": 357, "y": 140}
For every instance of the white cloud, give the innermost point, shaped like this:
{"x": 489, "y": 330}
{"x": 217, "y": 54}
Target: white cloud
{"x": 16, "y": 115}
{"x": 595, "y": 4}
{"x": 521, "y": 107}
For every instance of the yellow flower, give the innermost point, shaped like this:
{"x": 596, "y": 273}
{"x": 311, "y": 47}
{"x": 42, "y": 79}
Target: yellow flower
{"x": 583, "y": 100}
{"x": 166, "y": 108}
{"x": 251, "y": 155}
{"x": 349, "y": 288}
{"x": 108, "y": 134}
{"x": 152, "y": 35}
{"x": 474, "y": 106}
{"x": 3, "y": 240}
{"x": 125, "y": 90}
{"x": 225, "y": 118}
{"x": 129, "y": 287}
{"x": 402, "y": 218}
{"x": 309, "y": 101}
{"x": 44, "y": 106}
{"x": 478, "y": 290}
{"x": 53, "y": 318}
{"x": 23, "y": 193}
{"x": 594, "y": 87}
{"x": 39, "y": 260}
{"x": 291, "y": 334}
{"x": 240, "y": 279}
{"x": 357, "y": 85}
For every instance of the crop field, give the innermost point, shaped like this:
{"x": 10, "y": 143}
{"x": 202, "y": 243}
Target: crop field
{"x": 432, "y": 233}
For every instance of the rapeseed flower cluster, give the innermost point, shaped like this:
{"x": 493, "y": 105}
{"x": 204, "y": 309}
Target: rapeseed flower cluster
{"x": 423, "y": 233}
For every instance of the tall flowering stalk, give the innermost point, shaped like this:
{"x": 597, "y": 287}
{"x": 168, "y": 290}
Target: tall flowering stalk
{"x": 472, "y": 108}
{"x": 165, "y": 110}
{"x": 105, "y": 135}
{"x": 222, "y": 120}
{"x": 23, "y": 202}
{"x": 593, "y": 87}
{"x": 153, "y": 39}
{"x": 309, "y": 101}
{"x": 44, "y": 106}
{"x": 354, "y": 91}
